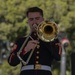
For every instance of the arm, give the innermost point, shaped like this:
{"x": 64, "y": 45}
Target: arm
{"x": 13, "y": 59}
{"x": 56, "y": 49}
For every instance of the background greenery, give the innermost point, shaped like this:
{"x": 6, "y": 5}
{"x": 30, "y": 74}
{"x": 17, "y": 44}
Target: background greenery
{"x": 13, "y": 24}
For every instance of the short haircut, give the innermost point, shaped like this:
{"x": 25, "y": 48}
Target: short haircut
{"x": 34, "y": 9}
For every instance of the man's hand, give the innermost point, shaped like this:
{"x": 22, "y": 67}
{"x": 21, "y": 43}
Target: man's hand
{"x": 31, "y": 45}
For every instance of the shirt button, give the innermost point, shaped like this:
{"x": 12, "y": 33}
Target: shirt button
{"x": 38, "y": 46}
{"x": 37, "y": 62}
{"x": 37, "y": 52}
{"x": 35, "y": 34}
{"x": 37, "y": 57}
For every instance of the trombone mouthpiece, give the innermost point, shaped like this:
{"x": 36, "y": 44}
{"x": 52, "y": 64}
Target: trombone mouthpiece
{"x": 35, "y": 26}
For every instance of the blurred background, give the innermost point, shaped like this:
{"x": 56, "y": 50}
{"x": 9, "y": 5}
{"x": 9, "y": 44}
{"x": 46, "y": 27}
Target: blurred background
{"x": 13, "y": 24}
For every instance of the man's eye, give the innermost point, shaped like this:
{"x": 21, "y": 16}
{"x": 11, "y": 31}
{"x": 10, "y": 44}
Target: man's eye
{"x": 37, "y": 18}
{"x": 31, "y": 19}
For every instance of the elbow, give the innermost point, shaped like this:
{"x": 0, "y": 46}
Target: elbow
{"x": 58, "y": 58}
{"x": 13, "y": 63}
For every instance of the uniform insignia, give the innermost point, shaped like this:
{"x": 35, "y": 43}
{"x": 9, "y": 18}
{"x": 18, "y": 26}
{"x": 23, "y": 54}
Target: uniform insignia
{"x": 59, "y": 44}
{"x": 14, "y": 47}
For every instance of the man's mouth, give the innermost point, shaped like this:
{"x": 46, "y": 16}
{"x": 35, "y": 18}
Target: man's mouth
{"x": 35, "y": 26}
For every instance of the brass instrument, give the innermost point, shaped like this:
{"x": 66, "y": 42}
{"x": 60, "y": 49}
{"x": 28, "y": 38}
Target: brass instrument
{"x": 47, "y": 31}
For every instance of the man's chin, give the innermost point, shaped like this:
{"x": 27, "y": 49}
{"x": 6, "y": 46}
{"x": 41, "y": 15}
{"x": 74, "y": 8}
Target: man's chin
{"x": 33, "y": 30}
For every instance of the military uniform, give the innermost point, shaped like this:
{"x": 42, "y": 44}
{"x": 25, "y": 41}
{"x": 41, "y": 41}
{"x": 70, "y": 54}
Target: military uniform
{"x": 41, "y": 59}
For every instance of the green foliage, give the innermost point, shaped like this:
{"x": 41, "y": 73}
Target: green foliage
{"x": 13, "y": 22}
{"x": 6, "y": 69}
{"x": 12, "y": 15}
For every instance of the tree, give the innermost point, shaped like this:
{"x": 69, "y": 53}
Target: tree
{"x": 13, "y": 21}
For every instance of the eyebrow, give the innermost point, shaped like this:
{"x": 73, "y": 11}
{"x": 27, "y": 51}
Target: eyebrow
{"x": 35, "y": 18}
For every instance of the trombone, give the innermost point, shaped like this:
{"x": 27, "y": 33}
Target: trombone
{"x": 47, "y": 31}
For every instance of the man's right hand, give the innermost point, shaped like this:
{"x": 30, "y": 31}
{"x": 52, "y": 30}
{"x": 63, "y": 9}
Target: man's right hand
{"x": 31, "y": 45}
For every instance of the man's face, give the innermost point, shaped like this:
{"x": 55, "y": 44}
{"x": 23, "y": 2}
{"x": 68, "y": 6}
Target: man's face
{"x": 34, "y": 18}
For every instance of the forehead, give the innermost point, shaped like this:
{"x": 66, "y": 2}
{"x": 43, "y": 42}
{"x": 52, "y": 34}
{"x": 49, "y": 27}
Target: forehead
{"x": 34, "y": 14}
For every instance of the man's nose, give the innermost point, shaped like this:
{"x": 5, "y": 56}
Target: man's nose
{"x": 34, "y": 21}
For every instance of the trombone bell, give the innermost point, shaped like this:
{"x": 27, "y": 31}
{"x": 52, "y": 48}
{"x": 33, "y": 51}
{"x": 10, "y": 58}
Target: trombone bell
{"x": 47, "y": 31}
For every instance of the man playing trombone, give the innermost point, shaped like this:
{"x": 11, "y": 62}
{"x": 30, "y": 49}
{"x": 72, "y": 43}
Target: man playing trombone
{"x": 36, "y": 51}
